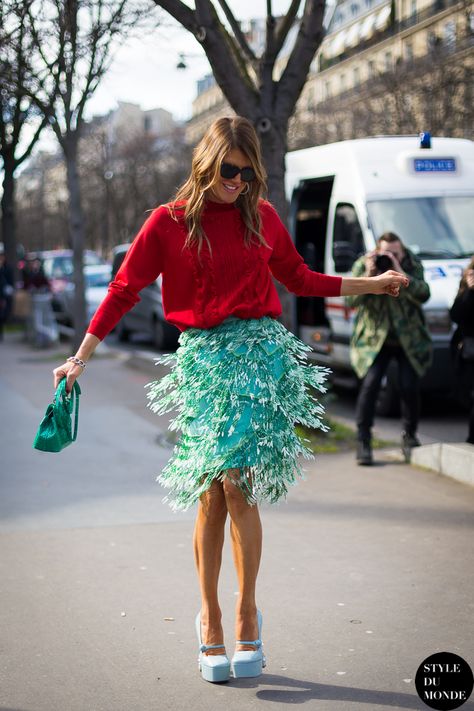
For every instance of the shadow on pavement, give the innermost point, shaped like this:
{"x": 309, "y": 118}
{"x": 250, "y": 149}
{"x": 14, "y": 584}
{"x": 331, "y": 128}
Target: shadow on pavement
{"x": 304, "y": 691}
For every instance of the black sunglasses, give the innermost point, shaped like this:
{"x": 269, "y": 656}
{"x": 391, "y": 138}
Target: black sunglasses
{"x": 229, "y": 171}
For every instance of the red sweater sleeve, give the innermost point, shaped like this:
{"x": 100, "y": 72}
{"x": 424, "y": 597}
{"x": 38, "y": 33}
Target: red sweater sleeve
{"x": 288, "y": 266}
{"x": 143, "y": 264}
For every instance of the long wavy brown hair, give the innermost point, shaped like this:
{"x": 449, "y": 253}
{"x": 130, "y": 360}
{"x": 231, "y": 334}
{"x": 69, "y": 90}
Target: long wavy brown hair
{"x": 222, "y": 136}
{"x": 463, "y": 284}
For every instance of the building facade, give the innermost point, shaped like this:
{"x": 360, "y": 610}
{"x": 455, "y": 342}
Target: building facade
{"x": 369, "y": 63}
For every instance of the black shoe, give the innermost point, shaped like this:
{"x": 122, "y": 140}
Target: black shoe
{"x": 409, "y": 441}
{"x": 364, "y": 453}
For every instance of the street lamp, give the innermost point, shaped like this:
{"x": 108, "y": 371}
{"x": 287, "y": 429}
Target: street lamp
{"x": 184, "y": 56}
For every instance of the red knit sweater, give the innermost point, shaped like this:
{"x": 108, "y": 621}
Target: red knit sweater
{"x": 234, "y": 281}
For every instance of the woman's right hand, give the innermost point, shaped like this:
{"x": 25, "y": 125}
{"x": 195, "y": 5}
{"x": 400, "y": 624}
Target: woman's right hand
{"x": 71, "y": 370}
{"x": 68, "y": 370}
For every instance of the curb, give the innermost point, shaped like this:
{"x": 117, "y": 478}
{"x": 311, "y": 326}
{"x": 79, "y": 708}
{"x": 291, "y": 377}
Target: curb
{"x": 455, "y": 460}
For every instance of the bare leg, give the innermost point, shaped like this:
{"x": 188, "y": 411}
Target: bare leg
{"x": 208, "y": 542}
{"x": 246, "y": 535}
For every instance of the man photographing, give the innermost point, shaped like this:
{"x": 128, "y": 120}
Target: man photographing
{"x": 387, "y": 329}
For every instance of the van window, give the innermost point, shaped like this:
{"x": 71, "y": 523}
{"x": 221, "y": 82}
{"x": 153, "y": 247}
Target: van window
{"x": 347, "y": 228}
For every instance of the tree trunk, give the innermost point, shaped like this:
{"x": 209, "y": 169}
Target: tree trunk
{"x": 77, "y": 238}
{"x": 274, "y": 146}
{"x": 8, "y": 214}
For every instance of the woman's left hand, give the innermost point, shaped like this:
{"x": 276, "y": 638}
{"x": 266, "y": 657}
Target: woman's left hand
{"x": 389, "y": 282}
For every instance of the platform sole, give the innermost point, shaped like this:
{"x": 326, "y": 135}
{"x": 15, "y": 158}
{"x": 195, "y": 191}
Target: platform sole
{"x": 215, "y": 673}
{"x": 240, "y": 670}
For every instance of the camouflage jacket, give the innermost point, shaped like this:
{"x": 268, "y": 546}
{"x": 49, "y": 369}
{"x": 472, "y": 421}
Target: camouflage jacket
{"x": 403, "y": 317}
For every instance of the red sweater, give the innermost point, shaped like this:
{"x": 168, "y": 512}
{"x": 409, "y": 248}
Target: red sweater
{"x": 234, "y": 281}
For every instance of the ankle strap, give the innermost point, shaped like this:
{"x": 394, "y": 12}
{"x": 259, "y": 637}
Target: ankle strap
{"x": 256, "y": 642}
{"x": 205, "y": 647}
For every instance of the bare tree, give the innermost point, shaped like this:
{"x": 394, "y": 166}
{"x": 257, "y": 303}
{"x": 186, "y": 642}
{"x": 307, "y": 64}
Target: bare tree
{"x": 74, "y": 40}
{"x": 17, "y": 110}
{"x": 126, "y": 176}
{"x": 247, "y": 80}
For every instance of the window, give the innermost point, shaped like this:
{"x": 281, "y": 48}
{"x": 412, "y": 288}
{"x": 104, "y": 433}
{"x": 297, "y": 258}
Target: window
{"x": 432, "y": 41}
{"x": 409, "y": 52}
{"x": 356, "y": 75}
{"x": 327, "y": 90}
{"x": 371, "y": 68}
{"x": 343, "y": 82}
{"x": 347, "y": 232}
{"x": 354, "y": 9}
{"x": 449, "y": 35}
{"x": 429, "y": 226}
{"x": 388, "y": 61}
{"x": 413, "y": 7}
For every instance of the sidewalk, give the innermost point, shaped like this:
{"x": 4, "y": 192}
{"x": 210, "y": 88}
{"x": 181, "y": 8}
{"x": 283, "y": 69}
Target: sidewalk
{"x": 365, "y": 571}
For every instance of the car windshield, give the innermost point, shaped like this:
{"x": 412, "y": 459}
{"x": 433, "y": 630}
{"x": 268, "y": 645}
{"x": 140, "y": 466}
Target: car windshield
{"x": 100, "y": 279}
{"x": 61, "y": 267}
{"x": 431, "y": 227}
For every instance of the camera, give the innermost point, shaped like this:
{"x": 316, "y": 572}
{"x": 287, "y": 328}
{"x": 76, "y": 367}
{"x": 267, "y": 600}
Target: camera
{"x": 383, "y": 263}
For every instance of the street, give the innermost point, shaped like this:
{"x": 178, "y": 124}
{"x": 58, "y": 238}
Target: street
{"x": 365, "y": 571}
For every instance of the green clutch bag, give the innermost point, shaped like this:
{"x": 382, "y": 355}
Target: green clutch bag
{"x": 55, "y": 430}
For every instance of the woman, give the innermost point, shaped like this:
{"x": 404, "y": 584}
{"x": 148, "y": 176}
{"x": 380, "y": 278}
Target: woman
{"x": 462, "y": 313}
{"x": 239, "y": 378}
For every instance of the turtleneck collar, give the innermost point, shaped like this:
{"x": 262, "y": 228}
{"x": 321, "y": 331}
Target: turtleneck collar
{"x": 210, "y": 206}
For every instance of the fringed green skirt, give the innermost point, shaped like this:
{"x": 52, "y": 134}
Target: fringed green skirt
{"x": 239, "y": 389}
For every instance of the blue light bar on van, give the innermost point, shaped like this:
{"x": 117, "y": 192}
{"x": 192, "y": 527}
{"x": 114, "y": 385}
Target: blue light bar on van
{"x": 434, "y": 165}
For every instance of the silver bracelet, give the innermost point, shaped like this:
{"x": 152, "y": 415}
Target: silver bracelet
{"x": 77, "y": 361}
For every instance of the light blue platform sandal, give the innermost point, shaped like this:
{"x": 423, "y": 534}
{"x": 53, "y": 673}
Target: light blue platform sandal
{"x": 249, "y": 662}
{"x": 213, "y": 667}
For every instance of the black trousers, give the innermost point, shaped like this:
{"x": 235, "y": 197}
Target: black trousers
{"x": 465, "y": 375}
{"x": 409, "y": 385}
{"x": 470, "y": 436}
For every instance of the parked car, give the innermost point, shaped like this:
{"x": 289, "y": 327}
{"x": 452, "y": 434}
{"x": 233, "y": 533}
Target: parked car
{"x": 146, "y": 316}
{"x": 96, "y": 280}
{"x": 59, "y": 269}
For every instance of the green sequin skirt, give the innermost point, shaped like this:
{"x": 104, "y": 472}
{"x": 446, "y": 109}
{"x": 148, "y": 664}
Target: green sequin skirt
{"x": 238, "y": 390}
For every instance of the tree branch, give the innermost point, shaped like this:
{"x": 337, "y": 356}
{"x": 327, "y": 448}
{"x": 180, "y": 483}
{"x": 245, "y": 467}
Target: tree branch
{"x": 294, "y": 76}
{"x": 229, "y": 69}
{"x": 238, "y": 34}
{"x": 285, "y": 25}
{"x": 26, "y": 153}
{"x": 181, "y": 12}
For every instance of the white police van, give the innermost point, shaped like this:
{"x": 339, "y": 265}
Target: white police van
{"x": 344, "y": 195}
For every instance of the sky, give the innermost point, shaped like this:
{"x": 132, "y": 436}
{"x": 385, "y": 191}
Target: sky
{"x": 144, "y": 70}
